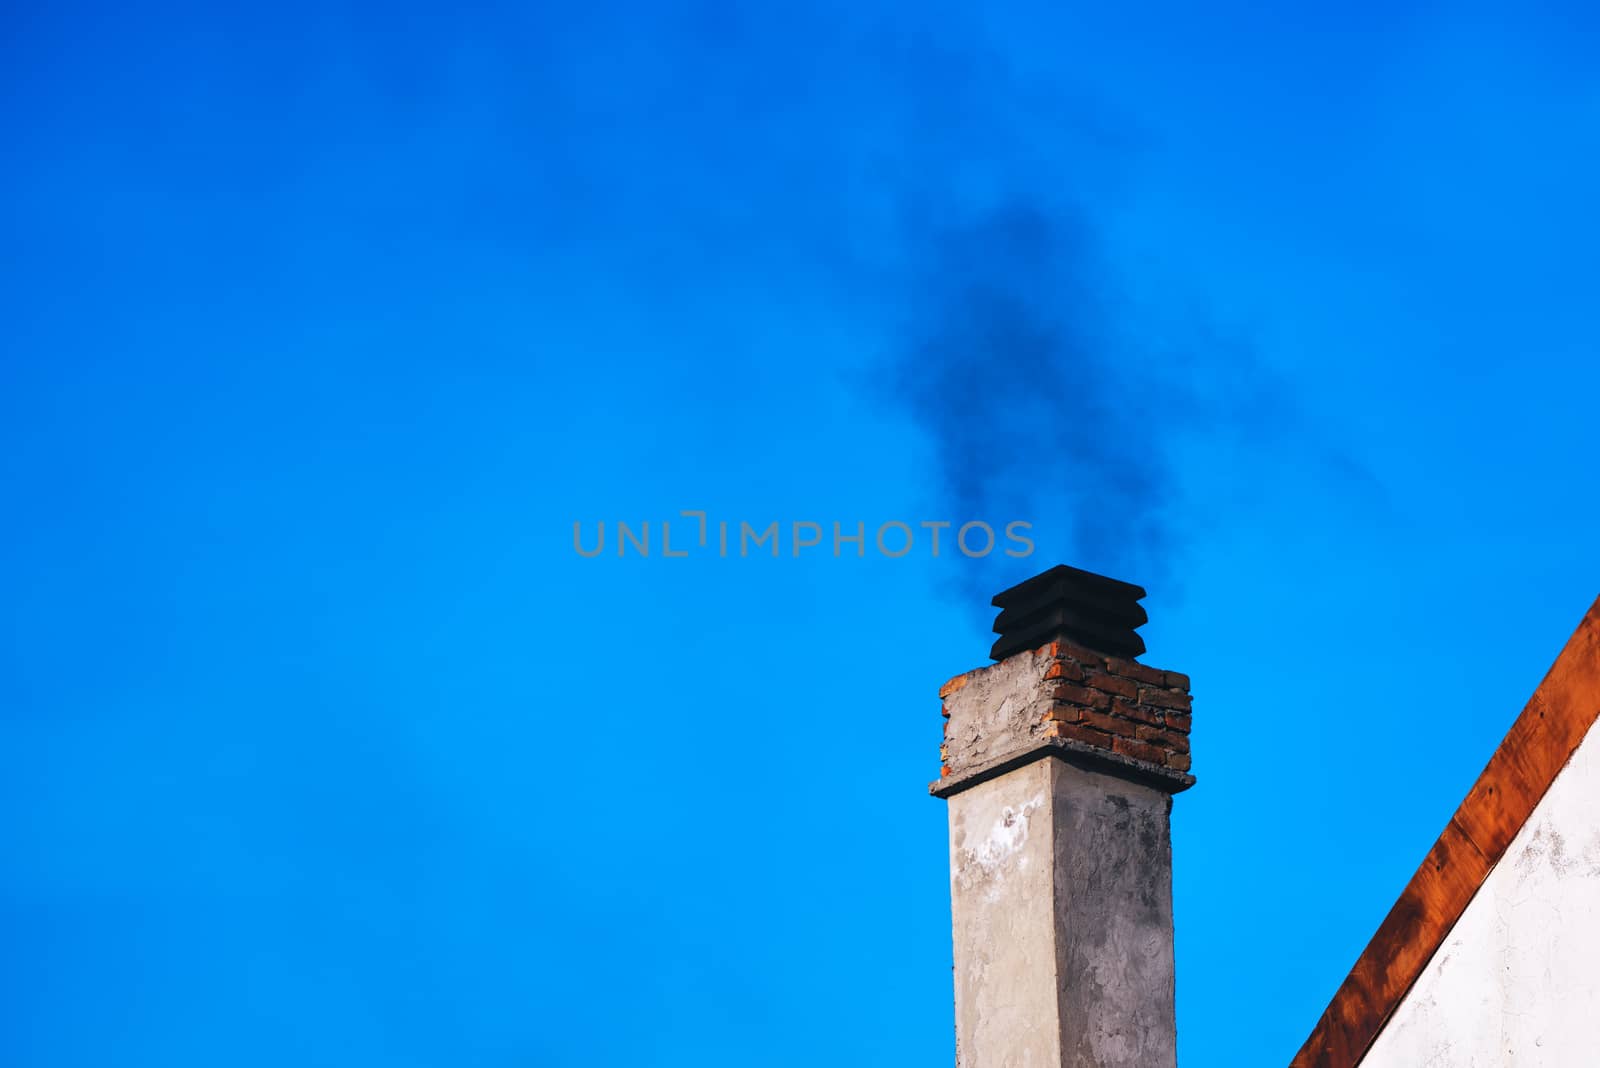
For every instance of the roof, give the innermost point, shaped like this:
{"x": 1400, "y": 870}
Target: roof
{"x": 1538, "y": 746}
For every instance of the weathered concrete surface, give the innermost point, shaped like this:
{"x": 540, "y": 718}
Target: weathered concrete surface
{"x": 1061, "y": 894}
{"x": 1515, "y": 983}
{"x": 1113, "y": 888}
{"x": 1002, "y": 906}
{"x": 1000, "y": 710}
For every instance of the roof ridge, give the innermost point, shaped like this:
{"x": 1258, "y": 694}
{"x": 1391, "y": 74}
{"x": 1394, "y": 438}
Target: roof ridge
{"x": 1524, "y": 765}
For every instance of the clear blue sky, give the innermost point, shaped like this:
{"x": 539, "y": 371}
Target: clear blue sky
{"x": 321, "y": 327}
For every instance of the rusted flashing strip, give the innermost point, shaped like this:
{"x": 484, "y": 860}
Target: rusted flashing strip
{"x": 1073, "y": 752}
{"x": 1534, "y": 751}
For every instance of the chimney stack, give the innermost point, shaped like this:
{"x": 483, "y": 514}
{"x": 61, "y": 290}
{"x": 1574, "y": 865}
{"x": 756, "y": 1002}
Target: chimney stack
{"x": 1059, "y": 766}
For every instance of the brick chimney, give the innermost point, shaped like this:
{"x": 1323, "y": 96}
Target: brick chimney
{"x": 1059, "y": 766}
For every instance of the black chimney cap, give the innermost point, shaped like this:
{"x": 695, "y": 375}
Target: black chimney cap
{"x": 1092, "y": 610}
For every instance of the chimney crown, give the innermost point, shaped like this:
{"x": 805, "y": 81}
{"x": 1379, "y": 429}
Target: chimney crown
{"x": 1069, "y": 604}
{"x": 1067, "y": 686}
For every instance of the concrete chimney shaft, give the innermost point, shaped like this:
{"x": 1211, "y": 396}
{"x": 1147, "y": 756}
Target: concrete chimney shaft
{"x": 1060, "y": 763}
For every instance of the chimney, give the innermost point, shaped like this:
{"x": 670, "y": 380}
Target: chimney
{"x": 1059, "y": 766}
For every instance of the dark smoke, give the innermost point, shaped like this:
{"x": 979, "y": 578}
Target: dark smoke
{"x": 1043, "y": 397}
{"x": 1012, "y": 366}
{"x": 944, "y": 198}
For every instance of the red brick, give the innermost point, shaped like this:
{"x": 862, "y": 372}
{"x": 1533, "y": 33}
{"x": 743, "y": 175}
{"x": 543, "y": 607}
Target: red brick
{"x": 1112, "y": 684}
{"x": 1129, "y": 670}
{"x": 1168, "y": 739}
{"x": 1110, "y": 724}
{"x": 1079, "y": 733}
{"x": 1138, "y": 750}
{"x": 1178, "y": 721}
{"x": 1165, "y": 699}
{"x": 1081, "y": 695}
{"x": 1064, "y": 669}
{"x": 954, "y": 684}
{"x": 1137, "y": 712}
{"x": 1062, "y": 713}
{"x": 1077, "y": 652}
{"x": 1179, "y": 761}
{"x": 1177, "y": 680}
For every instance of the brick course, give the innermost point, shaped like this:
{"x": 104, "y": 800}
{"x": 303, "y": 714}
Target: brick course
{"x": 1109, "y": 703}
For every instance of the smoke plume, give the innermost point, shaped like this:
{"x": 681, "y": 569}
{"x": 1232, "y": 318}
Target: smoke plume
{"x": 1012, "y": 367}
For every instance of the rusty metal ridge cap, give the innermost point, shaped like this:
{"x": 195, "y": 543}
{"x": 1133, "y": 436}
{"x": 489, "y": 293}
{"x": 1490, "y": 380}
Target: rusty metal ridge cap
{"x": 1524, "y": 765}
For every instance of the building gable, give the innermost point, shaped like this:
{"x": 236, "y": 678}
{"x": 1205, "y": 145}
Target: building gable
{"x": 1497, "y": 808}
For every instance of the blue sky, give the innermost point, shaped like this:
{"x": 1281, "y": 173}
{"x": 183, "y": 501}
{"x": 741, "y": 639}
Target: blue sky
{"x": 323, "y": 325}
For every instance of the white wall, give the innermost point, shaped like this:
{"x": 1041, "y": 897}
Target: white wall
{"x": 1517, "y": 980}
